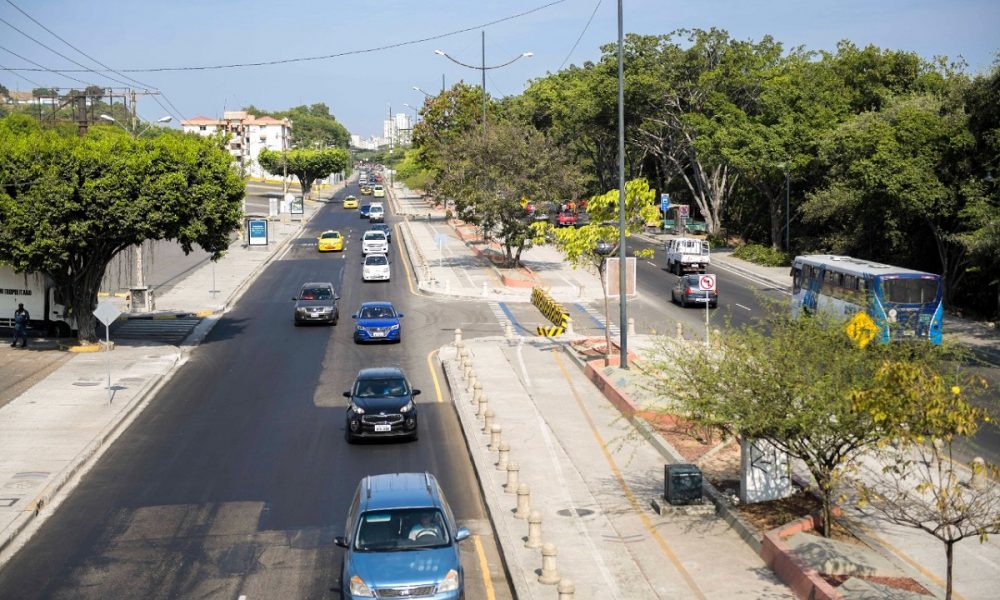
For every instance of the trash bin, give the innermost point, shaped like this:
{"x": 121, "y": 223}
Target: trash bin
{"x": 141, "y": 299}
{"x": 681, "y": 484}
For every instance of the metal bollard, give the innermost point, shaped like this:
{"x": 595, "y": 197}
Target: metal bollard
{"x": 468, "y": 370}
{"x": 523, "y": 501}
{"x": 512, "y": 471}
{"x": 979, "y": 481}
{"x": 495, "y": 432}
{"x": 458, "y": 337}
{"x": 483, "y": 405}
{"x": 488, "y": 420}
{"x": 504, "y": 449}
{"x": 477, "y": 393}
{"x": 631, "y": 326}
{"x": 566, "y": 589}
{"x": 550, "y": 575}
{"x": 680, "y": 331}
{"x": 534, "y": 530}
{"x": 471, "y": 385}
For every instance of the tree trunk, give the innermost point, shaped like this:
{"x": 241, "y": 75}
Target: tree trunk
{"x": 949, "y": 553}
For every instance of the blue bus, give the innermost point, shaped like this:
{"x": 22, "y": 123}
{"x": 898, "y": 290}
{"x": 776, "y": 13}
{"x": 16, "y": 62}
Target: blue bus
{"x": 903, "y": 303}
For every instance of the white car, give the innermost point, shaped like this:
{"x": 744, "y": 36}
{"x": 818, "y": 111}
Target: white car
{"x": 376, "y": 213}
{"x": 374, "y": 242}
{"x": 376, "y": 268}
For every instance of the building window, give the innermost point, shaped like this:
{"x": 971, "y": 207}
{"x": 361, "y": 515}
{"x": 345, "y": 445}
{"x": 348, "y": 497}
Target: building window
{"x": 202, "y": 127}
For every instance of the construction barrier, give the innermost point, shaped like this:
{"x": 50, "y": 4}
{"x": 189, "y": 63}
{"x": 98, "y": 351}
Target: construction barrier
{"x": 552, "y": 310}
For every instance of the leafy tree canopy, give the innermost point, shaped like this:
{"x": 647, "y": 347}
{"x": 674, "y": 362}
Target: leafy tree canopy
{"x": 312, "y": 126}
{"x": 68, "y": 204}
{"x": 307, "y": 165}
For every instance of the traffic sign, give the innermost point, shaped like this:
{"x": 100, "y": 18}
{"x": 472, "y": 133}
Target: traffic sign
{"x": 664, "y": 202}
{"x": 706, "y": 283}
{"x": 861, "y": 329}
{"x": 106, "y": 313}
{"x": 683, "y": 211}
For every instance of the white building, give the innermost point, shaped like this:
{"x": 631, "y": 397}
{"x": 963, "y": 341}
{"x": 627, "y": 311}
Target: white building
{"x": 248, "y": 135}
{"x": 404, "y": 129}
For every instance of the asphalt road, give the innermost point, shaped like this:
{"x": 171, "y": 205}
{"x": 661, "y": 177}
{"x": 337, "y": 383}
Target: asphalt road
{"x": 235, "y": 479}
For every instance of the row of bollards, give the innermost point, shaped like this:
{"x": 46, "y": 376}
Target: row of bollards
{"x": 549, "y": 574}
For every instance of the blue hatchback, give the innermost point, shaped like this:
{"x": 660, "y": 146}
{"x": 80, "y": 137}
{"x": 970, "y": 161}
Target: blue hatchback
{"x": 377, "y": 322}
{"x": 401, "y": 540}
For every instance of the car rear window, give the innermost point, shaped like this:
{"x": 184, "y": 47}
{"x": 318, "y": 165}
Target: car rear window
{"x": 375, "y": 260}
{"x": 317, "y": 293}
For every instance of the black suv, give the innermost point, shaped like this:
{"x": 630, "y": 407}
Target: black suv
{"x": 381, "y": 405}
{"x": 317, "y": 303}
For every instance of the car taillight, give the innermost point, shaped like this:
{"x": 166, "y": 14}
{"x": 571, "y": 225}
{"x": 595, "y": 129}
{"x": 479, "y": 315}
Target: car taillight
{"x": 689, "y": 291}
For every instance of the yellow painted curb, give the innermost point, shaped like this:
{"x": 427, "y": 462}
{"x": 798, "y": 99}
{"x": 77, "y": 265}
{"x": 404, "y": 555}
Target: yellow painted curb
{"x": 204, "y": 313}
{"x": 84, "y": 348}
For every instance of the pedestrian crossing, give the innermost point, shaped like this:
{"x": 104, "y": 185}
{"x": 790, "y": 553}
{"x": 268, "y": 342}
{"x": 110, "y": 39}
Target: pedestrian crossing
{"x": 167, "y": 331}
{"x": 499, "y": 313}
{"x": 597, "y": 317}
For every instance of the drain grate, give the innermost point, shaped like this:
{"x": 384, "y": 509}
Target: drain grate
{"x": 574, "y": 512}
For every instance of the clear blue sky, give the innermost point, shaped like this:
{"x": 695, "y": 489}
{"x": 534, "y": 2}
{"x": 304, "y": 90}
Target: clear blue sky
{"x": 360, "y": 88}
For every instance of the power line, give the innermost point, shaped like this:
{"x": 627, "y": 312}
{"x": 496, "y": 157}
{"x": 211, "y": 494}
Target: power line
{"x": 577, "y": 42}
{"x": 54, "y": 51}
{"x": 58, "y": 37}
{"x": 15, "y": 74}
{"x": 171, "y": 104}
{"x": 45, "y": 68}
{"x": 328, "y": 56}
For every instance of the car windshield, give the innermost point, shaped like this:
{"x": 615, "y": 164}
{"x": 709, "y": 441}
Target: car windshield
{"x": 374, "y": 235}
{"x": 317, "y": 293}
{"x": 377, "y": 312}
{"x": 375, "y": 260}
{"x": 401, "y": 529}
{"x": 331, "y": 235}
{"x": 381, "y": 388}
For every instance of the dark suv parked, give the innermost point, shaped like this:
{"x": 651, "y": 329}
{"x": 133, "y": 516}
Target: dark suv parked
{"x": 316, "y": 303}
{"x": 381, "y": 405}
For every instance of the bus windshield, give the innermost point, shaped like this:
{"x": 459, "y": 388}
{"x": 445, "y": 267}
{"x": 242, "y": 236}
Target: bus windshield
{"x": 910, "y": 290}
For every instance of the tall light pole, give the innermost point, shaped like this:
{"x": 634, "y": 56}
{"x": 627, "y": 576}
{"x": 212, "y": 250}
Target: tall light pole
{"x": 484, "y": 68}
{"x": 140, "y": 280}
{"x": 417, "y": 89}
{"x": 623, "y": 311}
{"x": 788, "y": 214}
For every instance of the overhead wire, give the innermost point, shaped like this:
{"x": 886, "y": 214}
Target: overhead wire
{"x": 329, "y": 56}
{"x": 16, "y": 74}
{"x": 577, "y": 42}
{"x": 28, "y": 60}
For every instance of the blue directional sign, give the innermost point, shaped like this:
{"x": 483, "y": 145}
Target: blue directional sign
{"x": 257, "y": 232}
{"x": 664, "y": 202}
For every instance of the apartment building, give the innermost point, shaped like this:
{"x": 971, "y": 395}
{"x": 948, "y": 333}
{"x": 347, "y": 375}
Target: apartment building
{"x": 247, "y": 136}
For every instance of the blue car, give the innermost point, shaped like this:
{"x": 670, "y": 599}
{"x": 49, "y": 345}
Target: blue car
{"x": 401, "y": 541}
{"x": 365, "y": 210}
{"x": 377, "y": 322}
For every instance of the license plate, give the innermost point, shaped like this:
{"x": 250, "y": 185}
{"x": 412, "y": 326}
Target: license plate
{"x": 378, "y": 334}
{"x": 382, "y": 428}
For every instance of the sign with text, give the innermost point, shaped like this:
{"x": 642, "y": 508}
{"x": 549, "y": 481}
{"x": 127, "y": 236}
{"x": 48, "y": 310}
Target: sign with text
{"x": 257, "y": 232}
{"x": 298, "y": 206}
{"x": 664, "y": 202}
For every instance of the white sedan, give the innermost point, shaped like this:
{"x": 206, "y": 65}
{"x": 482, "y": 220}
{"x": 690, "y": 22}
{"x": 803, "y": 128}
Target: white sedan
{"x": 376, "y": 268}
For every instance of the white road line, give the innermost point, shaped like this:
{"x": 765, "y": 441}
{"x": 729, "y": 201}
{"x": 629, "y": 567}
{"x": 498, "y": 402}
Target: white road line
{"x": 651, "y": 263}
{"x": 744, "y": 307}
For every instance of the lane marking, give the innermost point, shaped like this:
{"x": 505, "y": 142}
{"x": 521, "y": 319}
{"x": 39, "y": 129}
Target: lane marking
{"x": 406, "y": 261}
{"x": 629, "y": 495}
{"x": 513, "y": 321}
{"x": 434, "y": 377}
{"x": 746, "y": 308}
{"x": 484, "y": 567}
{"x": 650, "y": 263}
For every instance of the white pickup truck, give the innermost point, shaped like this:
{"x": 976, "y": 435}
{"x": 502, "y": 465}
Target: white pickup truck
{"x": 38, "y": 294}
{"x": 687, "y": 254}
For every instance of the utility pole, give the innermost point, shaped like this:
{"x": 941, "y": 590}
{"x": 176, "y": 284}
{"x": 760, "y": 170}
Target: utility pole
{"x": 484, "y": 80}
{"x": 391, "y": 128}
{"x": 442, "y": 83}
{"x": 622, "y": 297}
{"x": 284, "y": 163}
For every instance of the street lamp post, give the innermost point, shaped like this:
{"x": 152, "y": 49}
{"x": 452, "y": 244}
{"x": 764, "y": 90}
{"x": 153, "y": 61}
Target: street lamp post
{"x": 140, "y": 280}
{"x": 788, "y": 216}
{"x": 483, "y": 68}
{"x": 623, "y": 312}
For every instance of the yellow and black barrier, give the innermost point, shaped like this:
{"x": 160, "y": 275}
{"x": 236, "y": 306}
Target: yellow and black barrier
{"x": 552, "y": 310}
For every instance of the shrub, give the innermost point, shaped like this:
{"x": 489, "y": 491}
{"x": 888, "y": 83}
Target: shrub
{"x": 763, "y": 255}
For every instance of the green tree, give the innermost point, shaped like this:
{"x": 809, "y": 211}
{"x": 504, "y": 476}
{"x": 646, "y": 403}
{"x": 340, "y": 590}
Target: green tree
{"x": 489, "y": 174}
{"x": 590, "y": 245}
{"x": 68, "y": 204}
{"x": 921, "y": 485}
{"x": 306, "y": 165}
{"x": 40, "y": 92}
{"x": 312, "y": 126}
{"x": 796, "y": 386}
{"x": 446, "y": 118}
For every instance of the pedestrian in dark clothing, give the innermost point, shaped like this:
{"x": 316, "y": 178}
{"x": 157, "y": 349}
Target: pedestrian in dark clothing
{"x": 21, "y": 318}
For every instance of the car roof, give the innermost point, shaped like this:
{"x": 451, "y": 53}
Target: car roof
{"x": 378, "y": 231}
{"x": 400, "y": 490}
{"x": 317, "y": 284}
{"x": 330, "y": 231}
{"x": 374, "y": 254}
{"x": 377, "y": 303}
{"x": 380, "y": 372}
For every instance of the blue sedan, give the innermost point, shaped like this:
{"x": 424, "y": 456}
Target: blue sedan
{"x": 377, "y": 322}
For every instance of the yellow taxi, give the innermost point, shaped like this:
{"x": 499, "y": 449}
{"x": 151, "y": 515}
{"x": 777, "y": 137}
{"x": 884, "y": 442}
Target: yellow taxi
{"x": 330, "y": 241}
{"x": 366, "y": 190}
{"x": 378, "y": 191}
{"x": 350, "y": 202}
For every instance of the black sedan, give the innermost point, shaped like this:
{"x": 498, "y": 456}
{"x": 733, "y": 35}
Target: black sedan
{"x": 686, "y": 292}
{"x": 381, "y": 406}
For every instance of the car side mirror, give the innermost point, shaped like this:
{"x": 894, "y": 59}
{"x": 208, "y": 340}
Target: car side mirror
{"x": 461, "y": 534}
{"x": 336, "y": 297}
{"x": 400, "y": 315}
{"x": 415, "y": 392}
{"x": 347, "y": 394}
{"x": 294, "y": 299}
{"x": 342, "y": 541}
{"x": 354, "y": 316}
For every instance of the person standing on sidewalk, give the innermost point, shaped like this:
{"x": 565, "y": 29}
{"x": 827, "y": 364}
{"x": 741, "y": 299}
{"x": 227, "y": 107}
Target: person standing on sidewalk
{"x": 21, "y": 318}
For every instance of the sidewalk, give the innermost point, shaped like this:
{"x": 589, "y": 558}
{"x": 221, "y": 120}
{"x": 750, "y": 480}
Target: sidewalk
{"x": 57, "y": 429}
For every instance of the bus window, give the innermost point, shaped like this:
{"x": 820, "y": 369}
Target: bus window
{"x": 910, "y": 290}
{"x": 796, "y": 280}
